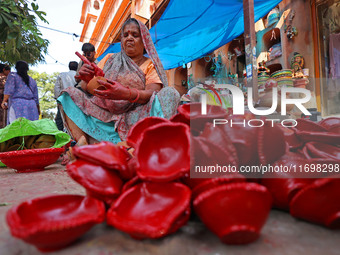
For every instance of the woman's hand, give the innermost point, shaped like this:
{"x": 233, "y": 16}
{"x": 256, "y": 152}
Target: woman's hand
{"x": 112, "y": 90}
{"x": 4, "y": 105}
{"x": 86, "y": 73}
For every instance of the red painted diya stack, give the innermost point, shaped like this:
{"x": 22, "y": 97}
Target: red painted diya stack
{"x": 151, "y": 194}
{"x": 152, "y": 205}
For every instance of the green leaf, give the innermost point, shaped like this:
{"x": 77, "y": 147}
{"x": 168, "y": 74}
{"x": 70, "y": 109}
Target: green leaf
{"x": 12, "y": 35}
{"x": 19, "y": 42}
{"x": 5, "y": 9}
{"x": 6, "y": 20}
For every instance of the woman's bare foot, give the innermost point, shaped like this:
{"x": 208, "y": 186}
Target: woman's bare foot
{"x": 82, "y": 141}
{"x": 68, "y": 156}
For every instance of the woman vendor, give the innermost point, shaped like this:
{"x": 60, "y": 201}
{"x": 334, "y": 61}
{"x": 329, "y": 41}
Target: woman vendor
{"x": 136, "y": 88}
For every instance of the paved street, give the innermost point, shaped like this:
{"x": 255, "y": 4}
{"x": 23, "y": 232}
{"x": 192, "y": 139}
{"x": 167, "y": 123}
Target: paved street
{"x": 282, "y": 234}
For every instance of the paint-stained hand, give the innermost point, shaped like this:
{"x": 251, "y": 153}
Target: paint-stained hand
{"x": 86, "y": 73}
{"x": 112, "y": 90}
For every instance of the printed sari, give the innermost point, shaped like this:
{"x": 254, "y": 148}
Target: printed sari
{"x": 110, "y": 120}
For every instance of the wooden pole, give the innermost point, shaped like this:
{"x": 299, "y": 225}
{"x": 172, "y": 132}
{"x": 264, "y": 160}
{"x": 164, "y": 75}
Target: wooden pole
{"x": 250, "y": 47}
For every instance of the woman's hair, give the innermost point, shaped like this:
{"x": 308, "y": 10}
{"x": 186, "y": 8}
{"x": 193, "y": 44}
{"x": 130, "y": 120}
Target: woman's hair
{"x": 22, "y": 68}
{"x": 2, "y": 66}
{"x": 129, "y": 21}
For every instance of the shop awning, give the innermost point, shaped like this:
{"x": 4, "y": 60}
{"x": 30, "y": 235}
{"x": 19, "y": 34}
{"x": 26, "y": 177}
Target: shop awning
{"x": 190, "y": 29}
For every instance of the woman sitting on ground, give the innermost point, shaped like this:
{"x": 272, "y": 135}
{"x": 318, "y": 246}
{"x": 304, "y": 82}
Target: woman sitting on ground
{"x": 136, "y": 88}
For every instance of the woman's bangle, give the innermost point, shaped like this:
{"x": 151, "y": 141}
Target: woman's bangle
{"x": 137, "y": 97}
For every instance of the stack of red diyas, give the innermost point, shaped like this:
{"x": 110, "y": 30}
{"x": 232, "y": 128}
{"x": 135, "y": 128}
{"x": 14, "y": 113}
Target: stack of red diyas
{"x": 151, "y": 195}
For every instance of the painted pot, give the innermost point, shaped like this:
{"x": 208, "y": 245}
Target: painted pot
{"x": 54, "y": 222}
{"x": 163, "y": 153}
{"x": 319, "y": 203}
{"x": 330, "y": 122}
{"x": 105, "y": 154}
{"x": 30, "y": 160}
{"x": 235, "y": 212}
{"x": 210, "y": 183}
{"x": 136, "y": 131}
{"x": 283, "y": 186}
{"x": 193, "y": 113}
{"x": 99, "y": 182}
{"x": 322, "y": 150}
{"x": 151, "y": 210}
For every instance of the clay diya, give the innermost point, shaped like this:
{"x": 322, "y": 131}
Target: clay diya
{"x": 54, "y": 222}
{"x": 271, "y": 143}
{"x": 99, "y": 182}
{"x": 192, "y": 183}
{"x": 207, "y": 184}
{"x": 330, "y": 122}
{"x": 308, "y": 125}
{"x": 235, "y": 212}
{"x": 180, "y": 118}
{"x": 205, "y": 153}
{"x": 292, "y": 140}
{"x": 105, "y": 154}
{"x": 284, "y": 185}
{"x": 193, "y": 113}
{"x": 244, "y": 138}
{"x": 319, "y": 203}
{"x": 135, "y": 132}
{"x": 30, "y": 160}
{"x": 94, "y": 84}
{"x": 308, "y": 131}
{"x": 220, "y": 138}
{"x": 163, "y": 152}
{"x": 322, "y": 150}
{"x": 151, "y": 210}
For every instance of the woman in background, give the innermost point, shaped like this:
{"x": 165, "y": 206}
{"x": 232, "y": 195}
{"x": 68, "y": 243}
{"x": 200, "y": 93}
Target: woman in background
{"x": 21, "y": 95}
{"x": 4, "y": 72}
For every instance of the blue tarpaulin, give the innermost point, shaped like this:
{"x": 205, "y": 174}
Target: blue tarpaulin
{"x": 189, "y": 29}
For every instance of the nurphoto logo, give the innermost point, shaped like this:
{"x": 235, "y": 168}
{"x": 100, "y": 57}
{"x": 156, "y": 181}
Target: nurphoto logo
{"x": 238, "y": 105}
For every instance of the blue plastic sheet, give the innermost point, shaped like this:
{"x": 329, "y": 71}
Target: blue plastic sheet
{"x": 190, "y": 29}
